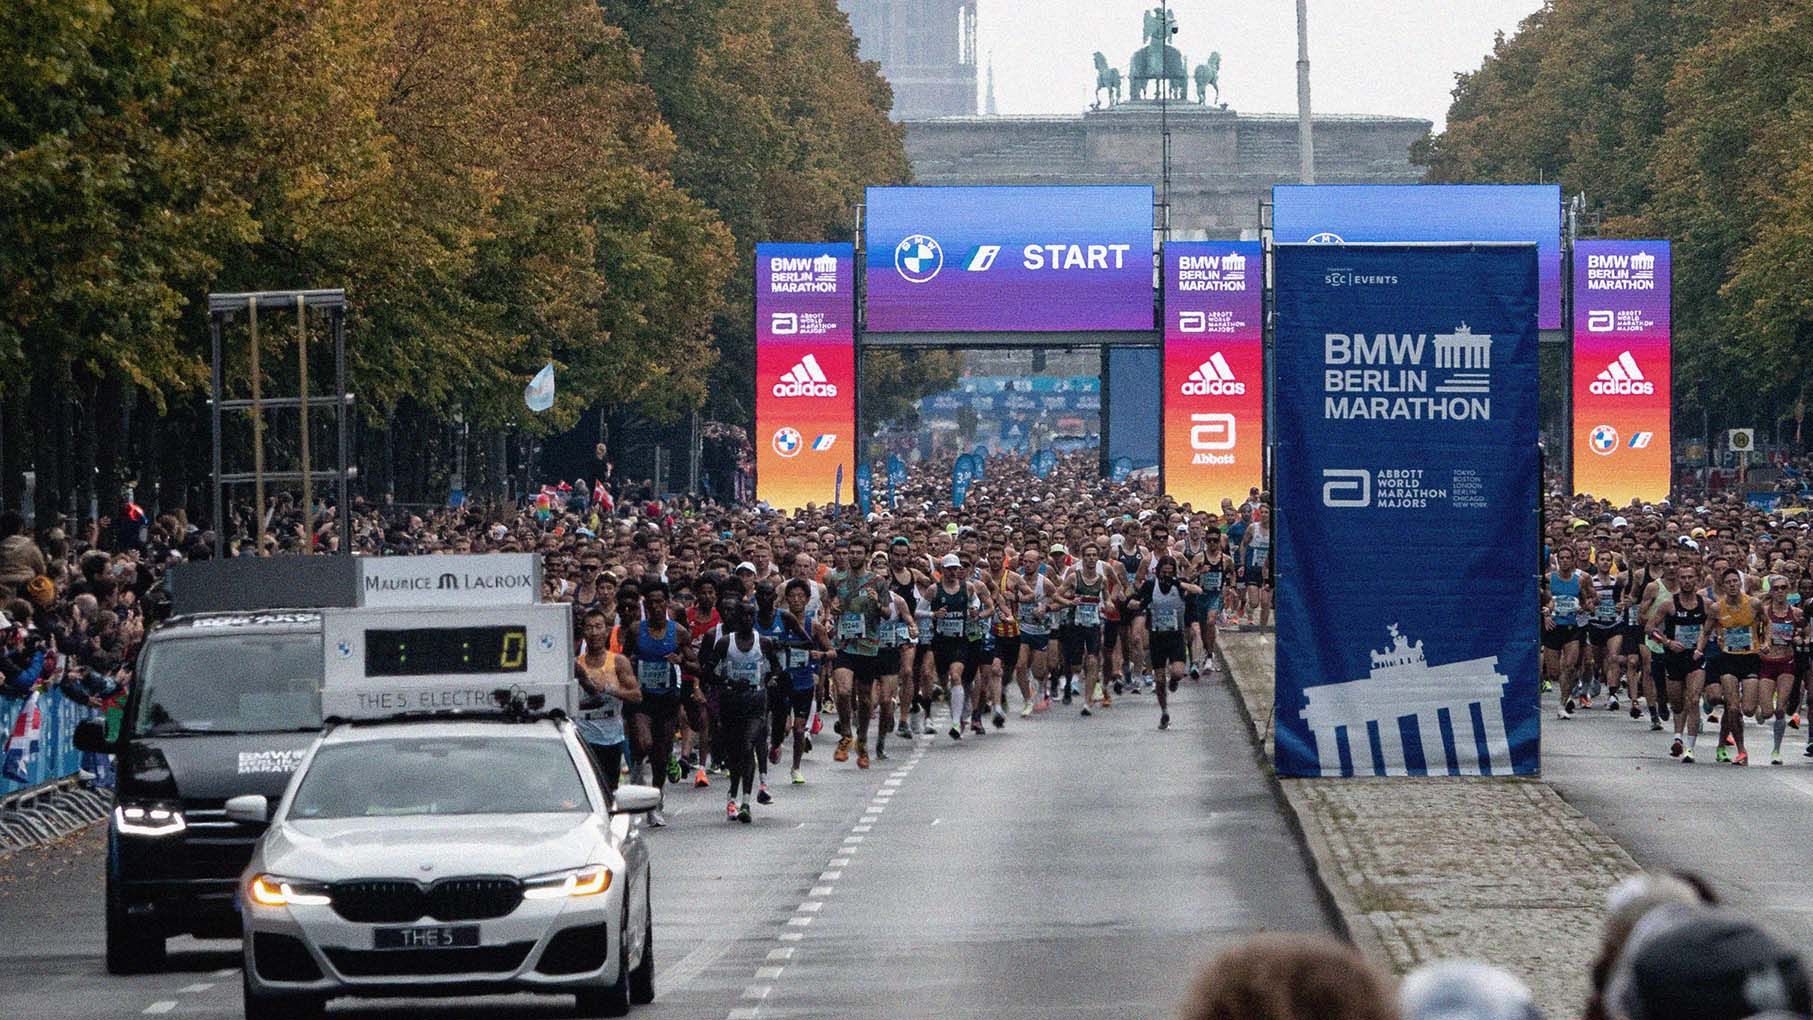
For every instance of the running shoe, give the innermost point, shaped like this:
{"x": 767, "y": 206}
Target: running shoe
{"x": 929, "y": 728}
{"x": 700, "y": 781}
{"x": 1026, "y": 710}
{"x": 1775, "y": 758}
{"x": 1723, "y": 755}
{"x": 1675, "y": 749}
{"x": 1086, "y": 711}
{"x": 674, "y": 770}
{"x": 1044, "y": 703}
{"x": 1117, "y": 687}
{"x": 862, "y": 757}
{"x": 817, "y": 724}
{"x": 1655, "y": 726}
{"x": 1663, "y": 711}
{"x": 1743, "y": 758}
{"x": 799, "y": 778}
{"x": 975, "y": 726}
{"x": 807, "y": 745}
{"x": 902, "y": 731}
{"x": 843, "y": 749}
{"x": 1566, "y": 711}
{"x": 1687, "y": 757}
{"x": 1000, "y": 720}
{"x": 1635, "y": 712}
{"x": 1547, "y": 686}
{"x": 956, "y": 732}
{"x": 762, "y": 796}
{"x": 1174, "y": 685}
{"x": 1066, "y": 695}
{"x": 730, "y": 810}
{"x": 1107, "y": 702}
{"x": 881, "y": 753}
{"x": 1612, "y": 705}
{"x": 1195, "y": 673}
{"x": 743, "y": 814}
{"x": 774, "y": 755}
{"x": 1808, "y": 753}
{"x": 1794, "y": 720}
{"x": 1164, "y": 720}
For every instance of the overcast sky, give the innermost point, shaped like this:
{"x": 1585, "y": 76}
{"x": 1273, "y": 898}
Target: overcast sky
{"x": 1366, "y": 56}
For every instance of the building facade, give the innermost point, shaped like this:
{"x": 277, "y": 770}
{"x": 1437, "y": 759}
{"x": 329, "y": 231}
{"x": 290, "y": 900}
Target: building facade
{"x": 926, "y": 49}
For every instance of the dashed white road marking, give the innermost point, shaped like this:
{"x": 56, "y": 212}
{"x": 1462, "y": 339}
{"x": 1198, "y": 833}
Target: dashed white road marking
{"x": 768, "y": 973}
{"x": 161, "y": 1007}
{"x": 820, "y": 890}
{"x": 780, "y": 954}
{"x": 199, "y": 986}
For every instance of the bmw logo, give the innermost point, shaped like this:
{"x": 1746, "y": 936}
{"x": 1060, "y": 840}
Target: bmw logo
{"x": 1604, "y": 440}
{"x": 787, "y": 441}
{"x": 918, "y": 258}
{"x": 1326, "y": 238}
{"x": 547, "y": 642}
{"x": 345, "y": 649}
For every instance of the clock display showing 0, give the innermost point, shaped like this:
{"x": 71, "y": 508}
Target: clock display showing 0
{"x": 431, "y": 651}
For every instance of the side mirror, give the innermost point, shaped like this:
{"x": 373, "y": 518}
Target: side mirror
{"x": 91, "y": 737}
{"x": 629, "y": 800}
{"x": 250, "y": 808}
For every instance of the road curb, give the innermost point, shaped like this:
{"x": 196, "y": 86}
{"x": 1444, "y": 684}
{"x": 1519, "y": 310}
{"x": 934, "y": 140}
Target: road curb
{"x": 1343, "y": 912}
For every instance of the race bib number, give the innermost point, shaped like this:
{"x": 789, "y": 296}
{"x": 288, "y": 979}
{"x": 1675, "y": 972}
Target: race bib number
{"x": 950, "y": 626}
{"x": 1782, "y": 633}
{"x": 798, "y": 658}
{"x": 655, "y": 674}
{"x": 1164, "y": 618}
{"x": 1688, "y": 634}
{"x": 1088, "y": 614}
{"x": 852, "y": 626}
{"x": 1211, "y": 582}
{"x": 1606, "y": 611}
{"x": 977, "y": 629}
{"x": 1737, "y": 639}
{"x": 1565, "y": 608}
{"x": 747, "y": 675}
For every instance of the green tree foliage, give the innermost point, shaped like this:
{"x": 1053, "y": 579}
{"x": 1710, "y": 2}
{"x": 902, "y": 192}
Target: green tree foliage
{"x": 780, "y": 127}
{"x": 1687, "y": 121}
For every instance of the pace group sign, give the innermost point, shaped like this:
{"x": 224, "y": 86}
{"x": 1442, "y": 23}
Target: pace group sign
{"x": 1623, "y": 369}
{"x": 805, "y": 372}
{"x": 1214, "y": 371}
{"x": 1368, "y": 213}
{"x": 1408, "y": 480}
{"x": 1008, "y": 259}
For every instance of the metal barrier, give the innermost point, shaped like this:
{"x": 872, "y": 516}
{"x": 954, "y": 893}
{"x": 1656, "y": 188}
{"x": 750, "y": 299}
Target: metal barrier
{"x": 57, "y": 755}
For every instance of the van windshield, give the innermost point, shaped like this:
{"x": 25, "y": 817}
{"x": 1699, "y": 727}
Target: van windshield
{"x": 238, "y": 683}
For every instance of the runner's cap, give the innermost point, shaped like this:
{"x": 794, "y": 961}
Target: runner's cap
{"x": 1057, "y": 549}
{"x": 950, "y": 560}
{"x": 745, "y": 565}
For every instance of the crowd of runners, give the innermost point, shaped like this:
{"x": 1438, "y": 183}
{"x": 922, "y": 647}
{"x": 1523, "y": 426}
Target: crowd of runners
{"x": 737, "y": 643}
{"x": 1692, "y": 618}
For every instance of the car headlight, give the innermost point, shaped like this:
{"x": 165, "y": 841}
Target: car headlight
{"x": 272, "y": 891}
{"x": 148, "y": 819}
{"x": 587, "y": 881}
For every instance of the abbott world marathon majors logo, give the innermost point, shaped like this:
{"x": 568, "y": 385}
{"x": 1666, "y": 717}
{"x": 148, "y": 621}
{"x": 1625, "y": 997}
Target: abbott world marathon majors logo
{"x": 1408, "y": 376}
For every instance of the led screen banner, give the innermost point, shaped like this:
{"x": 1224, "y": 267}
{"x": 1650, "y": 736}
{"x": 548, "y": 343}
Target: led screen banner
{"x": 805, "y": 372}
{"x": 1008, "y": 259}
{"x": 1356, "y": 213}
{"x": 1408, "y": 480}
{"x": 1214, "y": 371}
{"x": 1622, "y": 369}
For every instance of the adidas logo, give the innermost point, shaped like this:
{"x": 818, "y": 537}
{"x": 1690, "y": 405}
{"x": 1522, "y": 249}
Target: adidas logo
{"x": 1622, "y": 377}
{"x": 805, "y": 379}
{"x": 1213, "y": 378}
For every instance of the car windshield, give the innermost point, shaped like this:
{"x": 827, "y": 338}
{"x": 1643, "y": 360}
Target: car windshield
{"x": 439, "y": 776}
{"x": 238, "y": 683}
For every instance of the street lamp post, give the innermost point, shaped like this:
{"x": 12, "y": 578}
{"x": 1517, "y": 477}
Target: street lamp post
{"x": 1306, "y": 143}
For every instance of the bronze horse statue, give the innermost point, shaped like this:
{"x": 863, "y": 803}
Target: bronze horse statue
{"x": 1157, "y": 61}
{"x": 1108, "y": 78}
{"x": 1208, "y": 76}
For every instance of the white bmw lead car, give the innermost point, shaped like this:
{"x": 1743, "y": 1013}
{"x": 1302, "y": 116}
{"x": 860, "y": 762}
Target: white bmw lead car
{"x": 422, "y": 853}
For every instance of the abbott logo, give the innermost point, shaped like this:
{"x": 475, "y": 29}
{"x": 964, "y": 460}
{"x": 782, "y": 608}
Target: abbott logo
{"x": 1212, "y": 431}
{"x": 1622, "y": 378}
{"x": 1346, "y": 488}
{"x": 1601, "y": 320}
{"x": 1213, "y": 378}
{"x": 1192, "y": 322}
{"x": 784, "y": 324}
{"x": 805, "y": 379}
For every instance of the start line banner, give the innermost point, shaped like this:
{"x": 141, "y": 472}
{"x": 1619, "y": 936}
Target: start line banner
{"x": 1408, "y": 485}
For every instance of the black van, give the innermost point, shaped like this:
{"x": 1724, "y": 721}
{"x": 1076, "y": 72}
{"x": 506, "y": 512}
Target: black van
{"x": 225, "y": 699}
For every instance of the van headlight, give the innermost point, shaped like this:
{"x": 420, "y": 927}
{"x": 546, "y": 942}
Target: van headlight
{"x": 272, "y": 891}
{"x": 587, "y": 881}
{"x": 149, "y": 819}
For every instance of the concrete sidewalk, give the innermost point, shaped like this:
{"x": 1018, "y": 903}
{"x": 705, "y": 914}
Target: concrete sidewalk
{"x": 1495, "y": 869}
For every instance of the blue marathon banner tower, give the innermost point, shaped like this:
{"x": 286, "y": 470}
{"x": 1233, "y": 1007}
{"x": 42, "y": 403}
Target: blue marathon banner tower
{"x": 1408, "y": 484}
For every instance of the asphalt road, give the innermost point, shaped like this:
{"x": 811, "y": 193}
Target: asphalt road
{"x": 1746, "y": 829}
{"x": 1063, "y": 867}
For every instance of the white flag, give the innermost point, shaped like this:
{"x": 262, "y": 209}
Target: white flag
{"x": 539, "y": 394}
